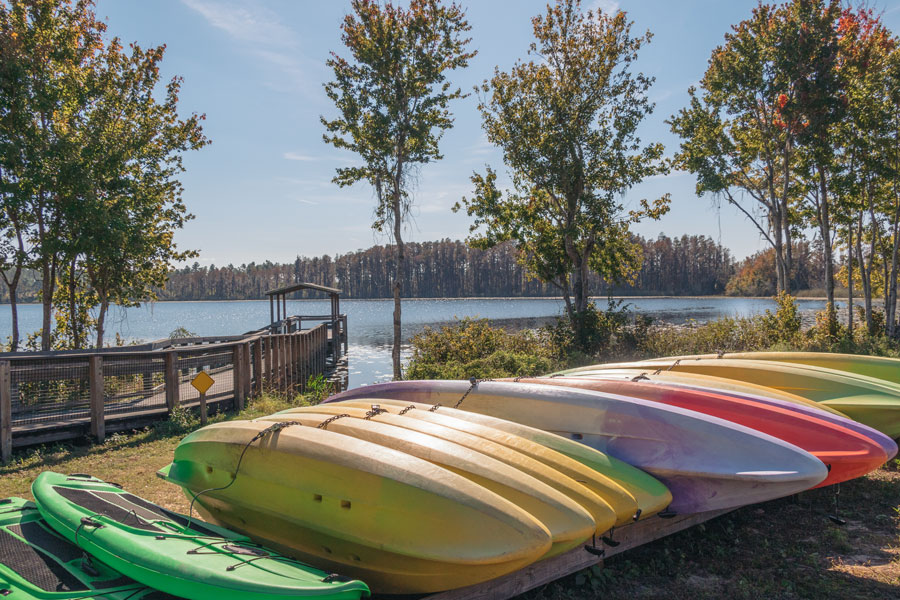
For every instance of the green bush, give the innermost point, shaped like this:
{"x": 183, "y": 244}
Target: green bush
{"x": 472, "y": 348}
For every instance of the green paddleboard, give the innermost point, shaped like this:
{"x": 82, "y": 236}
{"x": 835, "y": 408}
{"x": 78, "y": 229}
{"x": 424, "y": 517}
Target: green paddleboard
{"x": 167, "y": 551}
{"x": 38, "y": 564}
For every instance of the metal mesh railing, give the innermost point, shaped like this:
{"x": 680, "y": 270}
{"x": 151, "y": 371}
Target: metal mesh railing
{"x": 134, "y": 383}
{"x": 217, "y": 363}
{"x": 44, "y": 390}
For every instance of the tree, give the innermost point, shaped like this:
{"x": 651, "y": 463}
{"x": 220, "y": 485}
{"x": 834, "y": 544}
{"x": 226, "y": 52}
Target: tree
{"x": 131, "y": 202}
{"x": 738, "y": 137}
{"x": 393, "y": 97}
{"x": 567, "y": 122}
{"x": 47, "y": 50}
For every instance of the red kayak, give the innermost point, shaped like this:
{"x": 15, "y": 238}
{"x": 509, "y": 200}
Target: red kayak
{"x": 846, "y": 453}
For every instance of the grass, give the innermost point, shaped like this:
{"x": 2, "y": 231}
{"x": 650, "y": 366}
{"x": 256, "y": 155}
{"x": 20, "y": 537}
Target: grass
{"x": 130, "y": 460}
{"x": 786, "y": 548}
{"x": 783, "y": 549}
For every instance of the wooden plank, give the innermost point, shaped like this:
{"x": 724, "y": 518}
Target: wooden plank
{"x": 246, "y": 371}
{"x": 5, "y": 412}
{"x": 237, "y": 367}
{"x": 257, "y": 367}
{"x": 172, "y": 380}
{"x": 545, "y": 571}
{"x": 95, "y": 378}
{"x": 270, "y": 371}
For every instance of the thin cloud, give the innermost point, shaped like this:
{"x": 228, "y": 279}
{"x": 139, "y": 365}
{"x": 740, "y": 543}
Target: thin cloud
{"x": 262, "y": 34}
{"x": 300, "y": 157}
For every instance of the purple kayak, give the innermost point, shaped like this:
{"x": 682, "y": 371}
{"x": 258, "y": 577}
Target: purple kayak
{"x": 707, "y": 463}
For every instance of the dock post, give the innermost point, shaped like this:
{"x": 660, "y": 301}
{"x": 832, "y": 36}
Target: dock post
{"x": 172, "y": 381}
{"x": 246, "y": 369}
{"x": 5, "y": 411}
{"x": 95, "y": 379}
{"x": 257, "y": 367}
{"x": 237, "y": 366}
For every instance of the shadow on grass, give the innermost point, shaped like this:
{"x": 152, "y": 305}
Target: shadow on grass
{"x": 787, "y": 548}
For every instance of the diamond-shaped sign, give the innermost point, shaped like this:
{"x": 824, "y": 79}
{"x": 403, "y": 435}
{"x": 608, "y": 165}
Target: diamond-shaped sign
{"x": 202, "y": 382}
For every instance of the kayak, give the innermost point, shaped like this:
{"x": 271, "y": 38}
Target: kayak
{"x": 846, "y": 453}
{"x": 808, "y": 408}
{"x": 172, "y": 553}
{"x": 615, "y": 496}
{"x": 649, "y": 494}
{"x": 603, "y": 517}
{"x": 402, "y": 524}
{"x": 38, "y": 564}
{"x": 874, "y": 402}
{"x": 878, "y": 367}
{"x": 569, "y": 524}
{"x": 698, "y": 381}
{"x": 706, "y": 462}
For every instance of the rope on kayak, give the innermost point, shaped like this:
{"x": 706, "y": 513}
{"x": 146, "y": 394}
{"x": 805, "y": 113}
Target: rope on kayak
{"x": 719, "y": 354}
{"x": 473, "y": 383}
{"x": 374, "y": 412}
{"x": 324, "y": 424}
{"x": 407, "y": 409}
{"x": 673, "y": 365}
{"x": 641, "y": 377}
{"x": 274, "y": 428}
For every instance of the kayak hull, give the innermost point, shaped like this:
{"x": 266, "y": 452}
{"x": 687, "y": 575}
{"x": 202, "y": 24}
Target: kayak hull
{"x": 707, "y": 463}
{"x": 355, "y": 507}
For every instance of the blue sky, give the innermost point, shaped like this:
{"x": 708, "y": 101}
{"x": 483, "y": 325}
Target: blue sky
{"x": 263, "y": 189}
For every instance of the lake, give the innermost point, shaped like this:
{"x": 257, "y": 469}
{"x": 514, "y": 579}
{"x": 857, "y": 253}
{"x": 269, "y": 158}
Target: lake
{"x": 369, "y": 322}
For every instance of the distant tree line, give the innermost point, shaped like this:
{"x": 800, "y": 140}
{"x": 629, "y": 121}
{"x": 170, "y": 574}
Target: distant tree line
{"x": 689, "y": 265}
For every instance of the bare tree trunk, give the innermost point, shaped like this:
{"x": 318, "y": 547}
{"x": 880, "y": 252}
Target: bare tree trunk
{"x": 398, "y": 282}
{"x": 890, "y": 306}
{"x": 48, "y": 273}
{"x": 14, "y": 309}
{"x": 825, "y": 229}
{"x": 850, "y": 278}
{"x": 101, "y": 320}
{"x": 73, "y": 308}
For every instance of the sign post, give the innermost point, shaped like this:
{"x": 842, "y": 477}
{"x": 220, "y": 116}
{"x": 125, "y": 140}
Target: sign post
{"x": 202, "y": 382}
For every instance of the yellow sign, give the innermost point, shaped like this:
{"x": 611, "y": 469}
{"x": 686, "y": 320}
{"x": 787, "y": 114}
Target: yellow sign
{"x": 202, "y": 382}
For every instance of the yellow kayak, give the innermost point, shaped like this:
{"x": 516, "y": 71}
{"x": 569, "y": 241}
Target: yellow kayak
{"x": 647, "y": 492}
{"x": 569, "y": 524}
{"x": 402, "y": 524}
{"x": 622, "y": 503}
{"x": 603, "y": 514}
{"x": 879, "y": 367}
{"x": 706, "y": 382}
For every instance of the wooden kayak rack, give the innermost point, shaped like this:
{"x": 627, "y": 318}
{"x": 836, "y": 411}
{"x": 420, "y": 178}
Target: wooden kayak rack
{"x": 543, "y": 572}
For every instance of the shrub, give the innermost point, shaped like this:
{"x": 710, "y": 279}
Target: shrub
{"x": 472, "y": 348}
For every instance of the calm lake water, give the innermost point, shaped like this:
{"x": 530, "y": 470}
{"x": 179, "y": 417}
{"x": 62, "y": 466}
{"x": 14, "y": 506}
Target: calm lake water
{"x": 370, "y": 321}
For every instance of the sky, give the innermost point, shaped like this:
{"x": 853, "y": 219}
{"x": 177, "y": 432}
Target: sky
{"x": 262, "y": 190}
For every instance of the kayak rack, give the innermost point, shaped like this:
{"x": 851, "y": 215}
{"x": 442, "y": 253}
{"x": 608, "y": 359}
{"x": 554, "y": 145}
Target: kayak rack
{"x": 545, "y": 571}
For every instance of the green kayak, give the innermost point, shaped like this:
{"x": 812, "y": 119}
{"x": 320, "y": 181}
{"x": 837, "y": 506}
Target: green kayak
{"x": 168, "y": 551}
{"x": 37, "y": 564}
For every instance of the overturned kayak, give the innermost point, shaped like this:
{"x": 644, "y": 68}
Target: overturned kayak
{"x": 171, "y": 553}
{"x": 810, "y": 409}
{"x": 648, "y": 493}
{"x": 877, "y": 367}
{"x": 354, "y": 507}
{"x": 847, "y": 453}
{"x": 706, "y": 462}
{"x": 568, "y": 523}
{"x": 37, "y": 564}
{"x": 874, "y": 402}
{"x": 602, "y": 513}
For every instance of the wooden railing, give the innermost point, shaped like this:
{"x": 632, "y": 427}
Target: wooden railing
{"x": 51, "y": 396}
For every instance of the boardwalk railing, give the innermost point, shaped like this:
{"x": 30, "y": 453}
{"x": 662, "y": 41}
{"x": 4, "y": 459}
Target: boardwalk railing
{"x": 52, "y": 396}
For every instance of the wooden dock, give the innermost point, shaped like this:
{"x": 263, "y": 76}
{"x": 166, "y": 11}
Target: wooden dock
{"x": 53, "y": 396}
